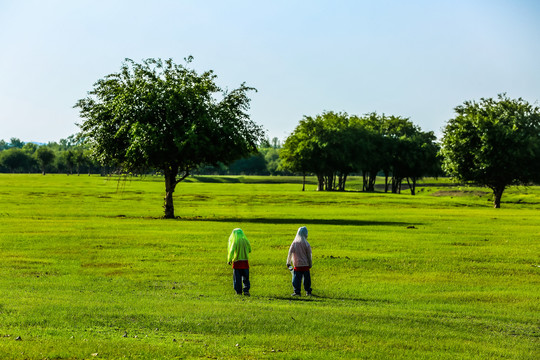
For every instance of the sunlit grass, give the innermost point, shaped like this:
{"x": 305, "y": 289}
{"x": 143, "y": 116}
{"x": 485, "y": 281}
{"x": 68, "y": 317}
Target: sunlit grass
{"x": 90, "y": 270}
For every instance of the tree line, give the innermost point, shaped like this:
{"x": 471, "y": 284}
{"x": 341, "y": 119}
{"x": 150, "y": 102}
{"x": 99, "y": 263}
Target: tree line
{"x": 68, "y": 156}
{"x": 71, "y": 156}
{"x": 334, "y": 145}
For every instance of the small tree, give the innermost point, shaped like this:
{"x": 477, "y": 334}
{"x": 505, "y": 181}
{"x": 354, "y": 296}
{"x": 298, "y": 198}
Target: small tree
{"x": 493, "y": 143}
{"x": 164, "y": 116}
{"x": 16, "y": 143}
{"x": 44, "y": 157}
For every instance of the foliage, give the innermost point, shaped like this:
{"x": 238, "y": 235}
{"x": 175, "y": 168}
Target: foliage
{"x": 494, "y": 143}
{"x": 30, "y": 163}
{"x": 253, "y": 165}
{"x": 44, "y": 157}
{"x": 30, "y": 148}
{"x": 334, "y": 145}
{"x": 16, "y": 143}
{"x": 89, "y": 272}
{"x": 273, "y": 160}
{"x": 16, "y": 160}
{"x": 164, "y": 116}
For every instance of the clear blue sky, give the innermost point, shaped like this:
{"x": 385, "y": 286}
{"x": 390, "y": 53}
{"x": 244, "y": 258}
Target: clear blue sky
{"x": 417, "y": 59}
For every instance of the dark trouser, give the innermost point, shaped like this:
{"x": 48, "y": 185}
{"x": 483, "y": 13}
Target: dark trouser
{"x": 297, "y": 281}
{"x": 239, "y": 276}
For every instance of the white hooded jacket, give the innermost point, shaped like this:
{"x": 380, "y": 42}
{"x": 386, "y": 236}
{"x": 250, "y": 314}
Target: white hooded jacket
{"x": 300, "y": 250}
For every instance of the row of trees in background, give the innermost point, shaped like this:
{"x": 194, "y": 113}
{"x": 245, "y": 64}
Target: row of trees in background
{"x": 334, "y": 145}
{"x": 68, "y": 156}
{"x": 71, "y": 157}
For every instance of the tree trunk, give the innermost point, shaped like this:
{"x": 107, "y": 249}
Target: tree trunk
{"x": 330, "y": 182}
{"x": 412, "y": 186}
{"x": 371, "y": 181}
{"x": 320, "y": 182}
{"x": 304, "y": 182}
{"x": 385, "y": 182}
{"x": 170, "y": 185}
{"x": 364, "y": 181}
{"x": 344, "y": 181}
{"x": 396, "y": 185}
{"x": 497, "y": 195}
{"x": 342, "y": 178}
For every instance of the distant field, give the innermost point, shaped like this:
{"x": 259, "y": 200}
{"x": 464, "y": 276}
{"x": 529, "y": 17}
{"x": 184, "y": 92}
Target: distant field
{"x": 90, "y": 271}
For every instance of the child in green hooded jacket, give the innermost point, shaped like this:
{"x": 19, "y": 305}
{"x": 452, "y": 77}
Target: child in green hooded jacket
{"x": 238, "y": 250}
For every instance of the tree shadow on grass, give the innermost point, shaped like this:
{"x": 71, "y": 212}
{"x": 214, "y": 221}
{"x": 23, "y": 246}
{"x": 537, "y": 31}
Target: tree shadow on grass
{"x": 282, "y": 221}
{"x": 321, "y": 297}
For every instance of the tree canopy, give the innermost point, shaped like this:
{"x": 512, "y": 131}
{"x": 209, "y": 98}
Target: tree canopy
{"x": 334, "y": 145}
{"x": 164, "y": 116}
{"x": 493, "y": 143}
{"x": 45, "y": 157}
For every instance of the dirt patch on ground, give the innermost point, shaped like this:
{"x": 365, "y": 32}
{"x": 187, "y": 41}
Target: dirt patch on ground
{"x": 460, "y": 193}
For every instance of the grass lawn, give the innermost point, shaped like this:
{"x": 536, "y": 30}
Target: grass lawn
{"x": 89, "y": 270}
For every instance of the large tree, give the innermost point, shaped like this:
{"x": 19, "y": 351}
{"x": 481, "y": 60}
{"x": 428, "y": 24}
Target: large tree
{"x": 165, "y": 116}
{"x": 493, "y": 143}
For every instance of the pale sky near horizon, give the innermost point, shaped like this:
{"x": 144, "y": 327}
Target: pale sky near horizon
{"x": 417, "y": 59}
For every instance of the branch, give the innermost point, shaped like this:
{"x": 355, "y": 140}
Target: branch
{"x": 186, "y": 174}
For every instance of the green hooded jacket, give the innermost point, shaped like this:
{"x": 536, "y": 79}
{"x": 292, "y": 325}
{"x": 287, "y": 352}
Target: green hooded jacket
{"x": 239, "y": 246}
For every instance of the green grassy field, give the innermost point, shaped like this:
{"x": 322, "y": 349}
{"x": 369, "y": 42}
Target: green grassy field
{"x": 90, "y": 271}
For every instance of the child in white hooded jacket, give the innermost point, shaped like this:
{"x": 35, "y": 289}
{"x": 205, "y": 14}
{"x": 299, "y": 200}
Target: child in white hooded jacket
{"x": 300, "y": 257}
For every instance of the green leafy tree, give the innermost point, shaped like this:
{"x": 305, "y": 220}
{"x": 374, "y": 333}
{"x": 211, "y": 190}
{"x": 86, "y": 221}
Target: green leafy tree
{"x": 16, "y": 143}
{"x": 3, "y": 145}
{"x": 252, "y": 165}
{"x": 70, "y": 160}
{"x": 372, "y": 157}
{"x": 302, "y": 152}
{"x": 30, "y": 148}
{"x": 397, "y": 131}
{"x": 164, "y": 116}
{"x": 273, "y": 161}
{"x": 493, "y": 143}
{"x": 16, "y": 160}
{"x": 387, "y": 149}
{"x": 44, "y": 157}
{"x": 337, "y": 141}
{"x": 416, "y": 157}
{"x": 81, "y": 160}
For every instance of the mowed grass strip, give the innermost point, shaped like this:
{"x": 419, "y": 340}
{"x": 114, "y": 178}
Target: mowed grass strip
{"x": 90, "y": 270}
